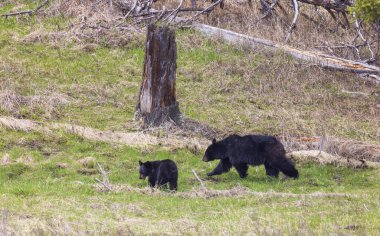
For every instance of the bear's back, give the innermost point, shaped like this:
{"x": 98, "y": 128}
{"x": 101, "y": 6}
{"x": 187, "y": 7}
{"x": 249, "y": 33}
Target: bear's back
{"x": 249, "y": 140}
{"x": 168, "y": 166}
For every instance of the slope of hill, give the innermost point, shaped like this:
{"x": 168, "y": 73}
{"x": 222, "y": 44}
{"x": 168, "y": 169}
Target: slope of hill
{"x": 53, "y": 71}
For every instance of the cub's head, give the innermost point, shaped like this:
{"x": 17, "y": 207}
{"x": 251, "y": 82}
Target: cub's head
{"x": 211, "y": 152}
{"x": 145, "y": 169}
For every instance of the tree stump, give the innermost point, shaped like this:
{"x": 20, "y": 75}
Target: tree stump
{"x": 157, "y": 97}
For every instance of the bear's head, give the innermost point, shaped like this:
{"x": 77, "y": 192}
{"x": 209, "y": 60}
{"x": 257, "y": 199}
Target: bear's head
{"x": 213, "y": 151}
{"x": 145, "y": 169}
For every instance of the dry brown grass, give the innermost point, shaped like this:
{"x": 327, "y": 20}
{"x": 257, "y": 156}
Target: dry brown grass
{"x": 49, "y": 103}
{"x": 136, "y": 139}
{"x": 354, "y": 149}
{"x": 91, "y": 23}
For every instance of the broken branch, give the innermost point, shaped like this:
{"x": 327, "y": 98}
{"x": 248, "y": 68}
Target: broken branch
{"x": 105, "y": 181}
{"x": 199, "y": 179}
{"x": 30, "y": 12}
{"x": 293, "y": 25}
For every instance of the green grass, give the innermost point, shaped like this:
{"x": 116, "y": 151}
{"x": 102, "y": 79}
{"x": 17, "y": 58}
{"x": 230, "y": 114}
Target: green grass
{"x": 226, "y": 87}
{"x": 55, "y": 196}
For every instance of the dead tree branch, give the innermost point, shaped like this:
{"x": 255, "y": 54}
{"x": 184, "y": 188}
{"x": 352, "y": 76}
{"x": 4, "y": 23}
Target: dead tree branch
{"x": 105, "y": 181}
{"x": 132, "y": 9}
{"x": 199, "y": 179}
{"x": 294, "y": 22}
{"x": 175, "y": 12}
{"x": 30, "y": 12}
{"x": 357, "y": 25}
{"x": 206, "y": 10}
{"x": 336, "y": 5}
{"x": 269, "y": 9}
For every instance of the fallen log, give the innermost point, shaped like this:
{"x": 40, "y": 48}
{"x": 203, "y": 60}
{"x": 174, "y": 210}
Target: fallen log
{"x": 317, "y": 58}
{"x": 324, "y": 158}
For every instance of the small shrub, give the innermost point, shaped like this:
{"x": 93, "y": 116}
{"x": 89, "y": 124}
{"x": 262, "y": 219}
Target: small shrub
{"x": 368, "y": 10}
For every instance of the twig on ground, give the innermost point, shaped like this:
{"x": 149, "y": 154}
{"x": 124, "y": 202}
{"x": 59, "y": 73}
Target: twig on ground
{"x": 355, "y": 93}
{"x": 104, "y": 184}
{"x": 30, "y": 12}
{"x": 105, "y": 181}
{"x": 376, "y": 77}
{"x": 199, "y": 179}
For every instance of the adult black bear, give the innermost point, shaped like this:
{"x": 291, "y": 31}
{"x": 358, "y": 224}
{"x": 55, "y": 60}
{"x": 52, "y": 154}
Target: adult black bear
{"x": 254, "y": 150}
{"x": 160, "y": 173}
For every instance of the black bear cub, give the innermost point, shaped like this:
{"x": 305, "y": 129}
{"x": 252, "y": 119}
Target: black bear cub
{"x": 239, "y": 152}
{"x": 160, "y": 173}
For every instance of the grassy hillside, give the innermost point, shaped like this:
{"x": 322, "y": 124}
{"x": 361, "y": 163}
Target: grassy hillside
{"x": 47, "y": 76}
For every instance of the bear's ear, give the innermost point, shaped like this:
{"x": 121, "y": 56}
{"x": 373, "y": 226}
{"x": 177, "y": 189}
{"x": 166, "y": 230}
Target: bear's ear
{"x": 140, "y": 162}
{"x": 213, "y": 141}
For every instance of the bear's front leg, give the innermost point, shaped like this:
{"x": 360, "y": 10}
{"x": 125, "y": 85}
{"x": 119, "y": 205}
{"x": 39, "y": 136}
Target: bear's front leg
{"x": 223, "y": 166}
{"x": 152, "y": 182}
{"x": 271, "y": 171}
{"x": 241, "y": 169}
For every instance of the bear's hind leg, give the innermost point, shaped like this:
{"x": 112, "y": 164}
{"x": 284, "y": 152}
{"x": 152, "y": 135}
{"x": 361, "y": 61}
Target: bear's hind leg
{"x": 273, "y": 172}
{"x": 173, "y": 185}
{"x": 223, "y": 166}
{"x": 242, "y": 170}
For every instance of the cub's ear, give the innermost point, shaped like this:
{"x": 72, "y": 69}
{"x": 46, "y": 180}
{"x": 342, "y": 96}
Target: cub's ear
{"x": 140, "y": 163}
{"x": 213, "y": 141}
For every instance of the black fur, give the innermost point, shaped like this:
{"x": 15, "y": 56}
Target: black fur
{"x": 253, "y": 150}
{"x": 160, "y": 173}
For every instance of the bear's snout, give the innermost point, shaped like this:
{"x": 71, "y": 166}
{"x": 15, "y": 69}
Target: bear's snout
{"x": 205, "y": 159}
{"x": 142, "y": 176}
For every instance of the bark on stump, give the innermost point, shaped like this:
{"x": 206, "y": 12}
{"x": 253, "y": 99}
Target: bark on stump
{"x": 157, "y": 97}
